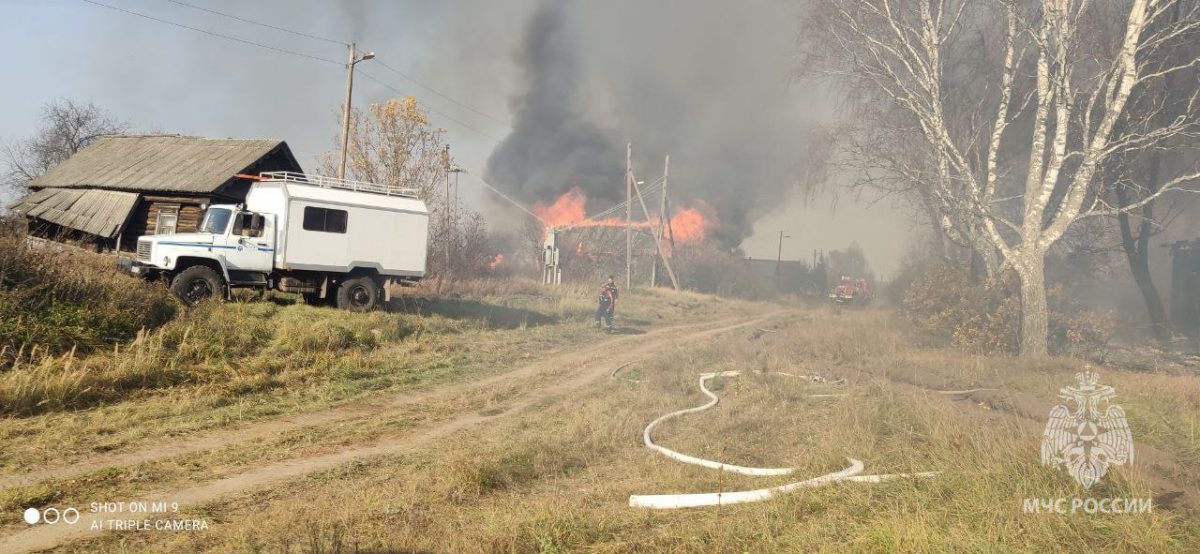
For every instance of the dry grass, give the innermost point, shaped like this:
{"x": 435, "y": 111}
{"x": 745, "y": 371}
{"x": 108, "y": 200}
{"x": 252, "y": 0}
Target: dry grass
{"x": 556, "y": 478}
{"x": 223, "y": 364}
{"x": 58, "y": 299}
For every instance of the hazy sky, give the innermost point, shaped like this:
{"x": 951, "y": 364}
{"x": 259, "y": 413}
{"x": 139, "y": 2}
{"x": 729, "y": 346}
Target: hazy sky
{"x": 162, "y": 78}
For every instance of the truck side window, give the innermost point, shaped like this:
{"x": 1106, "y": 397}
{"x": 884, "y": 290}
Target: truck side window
{"x": 248, "y": 225}
{"x": 324, "y": 220}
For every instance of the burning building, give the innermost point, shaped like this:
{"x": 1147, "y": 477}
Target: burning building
{"x": 579, "y": 248}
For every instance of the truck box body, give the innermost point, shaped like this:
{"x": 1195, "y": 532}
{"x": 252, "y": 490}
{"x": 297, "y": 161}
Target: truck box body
{"x": 330, "y": 240}
{"x": 321, "y": 228}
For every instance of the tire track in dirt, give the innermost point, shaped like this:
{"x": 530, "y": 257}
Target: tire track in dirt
{"x": 223, "y": 437}
{"x": 43, "y": 536}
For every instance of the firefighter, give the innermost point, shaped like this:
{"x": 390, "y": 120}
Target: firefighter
{"x": 608, "y": 302}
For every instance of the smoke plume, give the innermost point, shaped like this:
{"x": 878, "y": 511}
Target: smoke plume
{"x": 709, "y": 86}
{"x": 553, "y": 147}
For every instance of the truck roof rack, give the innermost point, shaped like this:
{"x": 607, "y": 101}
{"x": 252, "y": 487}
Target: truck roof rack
{"x": 335, "y": 183}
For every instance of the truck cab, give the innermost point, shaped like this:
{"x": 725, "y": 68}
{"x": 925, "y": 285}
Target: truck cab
{"x": 234, "y": 244}
{"x": 330, "y": 240}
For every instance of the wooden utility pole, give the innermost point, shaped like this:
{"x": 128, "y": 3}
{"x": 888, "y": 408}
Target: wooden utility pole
{"x": 346, "y": 113}
{"x": 628, "y": 215}
{"x": 354, "y": 59}
{"x": 448, "y": 233}
{"x": 662, "y": 218}
{"x": 779, "y": 257}
{"x": 658, "y": 244}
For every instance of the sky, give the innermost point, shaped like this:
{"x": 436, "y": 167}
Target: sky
{"x": 692, "y": 63}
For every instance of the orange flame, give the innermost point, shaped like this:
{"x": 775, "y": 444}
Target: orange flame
{"x": 499, "y": 259}
{"x": 691, "y": 225}
{"x": 570, "y": 210}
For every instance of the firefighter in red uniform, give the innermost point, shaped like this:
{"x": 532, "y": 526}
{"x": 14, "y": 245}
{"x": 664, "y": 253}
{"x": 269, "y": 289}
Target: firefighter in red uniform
{"x": 608, "y": 302}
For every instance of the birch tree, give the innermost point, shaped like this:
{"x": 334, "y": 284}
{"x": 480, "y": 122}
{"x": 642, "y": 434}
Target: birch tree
{"x": 67, "y": 127}
{"x": 1023, "y": 167}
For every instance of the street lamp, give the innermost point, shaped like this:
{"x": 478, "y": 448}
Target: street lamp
{"x": 354, "y": 59}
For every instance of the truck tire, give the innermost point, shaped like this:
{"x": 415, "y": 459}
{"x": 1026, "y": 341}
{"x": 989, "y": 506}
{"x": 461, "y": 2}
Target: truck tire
{"x": 358, "y": 294}
{"x": 197, "y": 284}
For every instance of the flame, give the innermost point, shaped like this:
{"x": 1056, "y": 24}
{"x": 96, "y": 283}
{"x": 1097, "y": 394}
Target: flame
{"x": 567, "y": 210}
{"x": 499, "y": 259}
{"x": 689, "y": 224}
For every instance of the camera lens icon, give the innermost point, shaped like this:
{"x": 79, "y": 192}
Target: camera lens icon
{"x": 51, "y": 516}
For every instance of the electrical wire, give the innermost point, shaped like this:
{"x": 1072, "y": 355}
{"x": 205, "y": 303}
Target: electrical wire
{"x": 259, "y": 23}
{"x": 387, "y": 85}
{"x": 213, "y": 33}
{"x": 649, "y": 190}
{"x": 439, "y": 93}
{"x": 377, "y": 61}
{"x": 464, "y": 125}
{"x": 506, "y": 197}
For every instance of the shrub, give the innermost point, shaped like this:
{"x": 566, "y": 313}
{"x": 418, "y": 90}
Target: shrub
{"x": 707, "y": 267}
{"x": 948, "y": 308}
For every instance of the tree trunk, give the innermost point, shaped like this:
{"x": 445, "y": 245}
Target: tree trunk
{"x": 979, "y": 271}
{"x": 1035, "y": 317}
{"x": 1137, "y": 250}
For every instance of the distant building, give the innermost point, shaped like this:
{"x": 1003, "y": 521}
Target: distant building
{"x": 125, "y": 186}
{"x": 1185, "y": 287}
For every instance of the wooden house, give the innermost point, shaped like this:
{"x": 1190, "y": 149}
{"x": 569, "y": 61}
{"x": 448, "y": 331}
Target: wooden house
{"x": 125, "y": 186}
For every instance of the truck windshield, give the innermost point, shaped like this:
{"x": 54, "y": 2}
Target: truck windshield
{"x": 216, "y": 220}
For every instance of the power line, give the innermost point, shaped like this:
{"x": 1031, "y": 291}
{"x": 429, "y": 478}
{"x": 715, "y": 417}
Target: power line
{"x": 259, "y": 23}
{"x": 431, "y": 108}
{"x": 213, "y": 33}
{"x": 377, "y": 60}
{"x": 439, "y": 93}
{"x": 284, "y": 51}
{"x": 506, "y": 197}
{"x": 653, "y": 188}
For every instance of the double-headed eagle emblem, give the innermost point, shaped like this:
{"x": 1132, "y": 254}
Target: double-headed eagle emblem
{"x": 1083, "y": 439}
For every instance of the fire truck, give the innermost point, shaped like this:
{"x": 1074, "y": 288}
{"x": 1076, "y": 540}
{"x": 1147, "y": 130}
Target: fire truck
{"x": 852, "y": 291}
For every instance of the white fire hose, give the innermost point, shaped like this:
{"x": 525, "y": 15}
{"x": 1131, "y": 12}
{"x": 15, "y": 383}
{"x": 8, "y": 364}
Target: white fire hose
{"x": 666, "y": 501}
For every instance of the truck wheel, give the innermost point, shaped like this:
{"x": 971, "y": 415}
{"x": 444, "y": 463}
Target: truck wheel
{"x": 196, "y": 284}
{"x": 359, "y": 294}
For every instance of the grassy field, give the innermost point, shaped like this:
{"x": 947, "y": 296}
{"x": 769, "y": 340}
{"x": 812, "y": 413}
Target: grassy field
{"x": 489, "y": 420}
{"x": 555, "y": 474}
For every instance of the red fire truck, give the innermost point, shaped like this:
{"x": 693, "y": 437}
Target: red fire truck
{"x": 851, "y": 291}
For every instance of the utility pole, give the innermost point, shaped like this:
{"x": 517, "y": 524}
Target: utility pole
{"x": 449, "y": 232}
{"x": 657, "y": 244}
{"x": 779, "y": 257}
{"x": 628, "y": 215}
{"x": 354, "y": 59}
{"x": 662, "y": 218}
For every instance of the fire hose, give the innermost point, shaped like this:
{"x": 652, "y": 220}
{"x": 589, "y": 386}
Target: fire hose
{"x": 667, "y": 501}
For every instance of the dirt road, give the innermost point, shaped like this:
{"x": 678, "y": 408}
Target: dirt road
{"x": 557, "y": 374}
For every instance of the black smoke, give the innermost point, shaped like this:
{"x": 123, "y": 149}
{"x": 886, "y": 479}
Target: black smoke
{"x": 707, "y": 83}
{"x": 552, "y": 146}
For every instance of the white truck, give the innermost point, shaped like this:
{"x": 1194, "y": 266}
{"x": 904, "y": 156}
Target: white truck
{"x": 331, "y": 240}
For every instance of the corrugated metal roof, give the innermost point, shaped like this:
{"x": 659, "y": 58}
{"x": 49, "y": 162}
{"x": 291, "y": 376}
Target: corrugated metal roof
{"x": 160, "y": 163}
{"x": 98, "y": 212}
